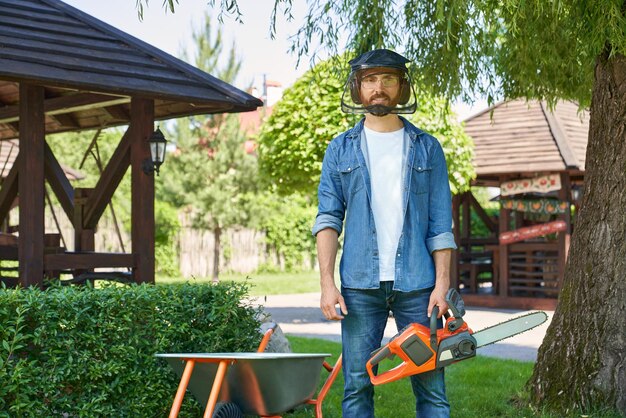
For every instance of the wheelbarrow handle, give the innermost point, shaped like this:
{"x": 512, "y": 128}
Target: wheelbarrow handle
{"x": 266, "y": 338}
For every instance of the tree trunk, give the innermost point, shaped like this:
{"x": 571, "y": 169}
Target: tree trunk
{"x": 217, "y": 234}
{"x": 582, "y": 361}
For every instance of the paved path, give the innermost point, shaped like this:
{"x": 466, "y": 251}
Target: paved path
{"x": 300, "y": 315}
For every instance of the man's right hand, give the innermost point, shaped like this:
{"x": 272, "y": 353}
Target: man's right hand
{"x": 329, "y": 299}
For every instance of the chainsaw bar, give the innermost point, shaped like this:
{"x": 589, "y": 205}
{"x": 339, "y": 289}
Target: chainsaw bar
{"x": 509, "y": 328}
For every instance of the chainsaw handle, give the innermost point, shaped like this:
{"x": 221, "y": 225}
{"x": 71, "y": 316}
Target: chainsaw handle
{"x": 398, "y": 372}
{"x": 381, "y": 354}
{"x": 433, "y": 328}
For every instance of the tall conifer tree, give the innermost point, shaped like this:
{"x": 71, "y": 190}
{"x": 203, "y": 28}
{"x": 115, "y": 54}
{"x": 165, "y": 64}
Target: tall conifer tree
{"x": 210, "y": 172}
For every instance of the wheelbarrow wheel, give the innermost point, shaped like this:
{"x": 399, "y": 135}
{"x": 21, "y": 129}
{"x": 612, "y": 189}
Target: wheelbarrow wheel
{"x": 227, "y": 410}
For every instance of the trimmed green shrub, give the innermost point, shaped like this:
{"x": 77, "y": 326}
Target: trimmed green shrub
{"x": 85, "y": 352}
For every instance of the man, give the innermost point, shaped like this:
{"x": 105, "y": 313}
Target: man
{"x": 388, "y": 182}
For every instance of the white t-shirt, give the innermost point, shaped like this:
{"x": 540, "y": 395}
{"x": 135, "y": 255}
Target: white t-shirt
{"x": 384, "y": 157}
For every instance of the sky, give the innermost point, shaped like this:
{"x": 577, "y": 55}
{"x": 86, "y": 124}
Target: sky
{"x": 261, "y": 56}
{"x": 172, "y": 32}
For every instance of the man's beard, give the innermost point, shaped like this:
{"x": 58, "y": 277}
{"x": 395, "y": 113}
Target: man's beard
{"x": 379, "y": 109}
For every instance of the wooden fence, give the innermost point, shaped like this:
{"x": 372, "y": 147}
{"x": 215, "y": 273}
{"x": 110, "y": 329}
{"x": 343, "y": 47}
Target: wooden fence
{"x": 243, "y": 250}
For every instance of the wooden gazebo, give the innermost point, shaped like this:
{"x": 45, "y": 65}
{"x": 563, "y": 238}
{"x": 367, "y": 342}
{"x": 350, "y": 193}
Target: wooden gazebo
{"x": 535, "y": 158}
{"x": 63, "y": 70}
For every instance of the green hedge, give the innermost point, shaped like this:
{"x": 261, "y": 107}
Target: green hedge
{"x": 84, "y": 352}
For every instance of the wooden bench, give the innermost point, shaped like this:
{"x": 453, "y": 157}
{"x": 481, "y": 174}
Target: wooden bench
{"x": 82, "y": 264}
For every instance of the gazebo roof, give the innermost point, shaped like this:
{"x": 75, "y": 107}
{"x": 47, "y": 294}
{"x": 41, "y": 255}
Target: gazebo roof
{"x": 90, "y": 70}
{"x": 519, "y": 137}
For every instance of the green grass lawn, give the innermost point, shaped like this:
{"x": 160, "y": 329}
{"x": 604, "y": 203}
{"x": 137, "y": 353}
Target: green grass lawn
{"x": 481, "y": 387}
{"x": 264, "y": 283}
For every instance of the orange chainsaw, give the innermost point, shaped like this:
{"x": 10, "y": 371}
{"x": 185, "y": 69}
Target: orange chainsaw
{"x": 423, "y": 349}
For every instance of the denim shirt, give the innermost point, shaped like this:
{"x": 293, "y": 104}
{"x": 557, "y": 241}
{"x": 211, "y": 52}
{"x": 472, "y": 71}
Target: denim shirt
{"x": 344, "y": 197}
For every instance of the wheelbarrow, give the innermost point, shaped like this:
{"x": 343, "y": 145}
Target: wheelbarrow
{"x": 262, "y": 384}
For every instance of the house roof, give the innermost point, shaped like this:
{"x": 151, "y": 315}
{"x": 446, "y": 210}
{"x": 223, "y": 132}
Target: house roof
{"x": 90, "y": 71}
{"x": 519, "y": 137}
{"x": 8, "y": 153}
{"x": 250, "y": 122}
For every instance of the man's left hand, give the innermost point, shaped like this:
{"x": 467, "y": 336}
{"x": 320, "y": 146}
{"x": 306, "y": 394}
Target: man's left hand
{"x": 438, "y": 298}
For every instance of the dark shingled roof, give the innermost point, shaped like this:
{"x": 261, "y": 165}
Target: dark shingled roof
{"x": 519, "y": 137}
{"x": 91, "y": 69}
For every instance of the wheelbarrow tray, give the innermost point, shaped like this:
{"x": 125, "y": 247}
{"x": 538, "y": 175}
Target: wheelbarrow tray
{"x": 259, "y": 383}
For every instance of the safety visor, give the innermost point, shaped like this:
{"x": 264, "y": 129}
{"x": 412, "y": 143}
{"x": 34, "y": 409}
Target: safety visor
{"x": 384, "y": 79}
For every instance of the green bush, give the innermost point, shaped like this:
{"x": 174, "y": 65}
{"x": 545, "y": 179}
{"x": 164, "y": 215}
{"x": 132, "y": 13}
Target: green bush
{"x": 287, "y": 222}
{"x": 84, "y": 352}
{"x": 166, "y": 239}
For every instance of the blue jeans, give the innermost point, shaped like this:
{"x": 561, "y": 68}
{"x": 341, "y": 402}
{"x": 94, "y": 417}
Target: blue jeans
{"x": 362, "y": 332}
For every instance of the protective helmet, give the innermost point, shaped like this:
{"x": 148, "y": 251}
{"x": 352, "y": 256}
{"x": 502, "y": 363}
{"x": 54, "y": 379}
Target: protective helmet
{"x": 387, "y": 61}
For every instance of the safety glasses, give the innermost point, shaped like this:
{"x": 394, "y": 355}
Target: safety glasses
{"x": 386, "y": 79}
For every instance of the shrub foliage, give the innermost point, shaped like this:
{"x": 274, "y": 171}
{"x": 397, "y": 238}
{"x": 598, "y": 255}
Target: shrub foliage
{"x": 84, "y": 352}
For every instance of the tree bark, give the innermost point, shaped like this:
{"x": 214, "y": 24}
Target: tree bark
{"x": 217, "y": 234}
{"x": 582, "y": 361}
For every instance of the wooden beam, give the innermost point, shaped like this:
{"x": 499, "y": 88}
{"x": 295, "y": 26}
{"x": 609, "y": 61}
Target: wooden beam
{"x": 14, "y": 126}
{"x": 117, "y": 112}
{"x": 66, "y": 104}
{"x": 86, "y": 261}
{"x": 480, "y": 241}
{"x": 561, "y": 139}
{"x": 108, "y": 182}
{"x": 8, "y": 252}
{"x": 31, "y": 185}
{"x": 8, "y": 191}
{"x": 487, "y": 220}
{"x": 66, "y": 120}
{"x": 532, "y": 246}
{"x": 142, "y": 189}
{"x": 59, "y": 183}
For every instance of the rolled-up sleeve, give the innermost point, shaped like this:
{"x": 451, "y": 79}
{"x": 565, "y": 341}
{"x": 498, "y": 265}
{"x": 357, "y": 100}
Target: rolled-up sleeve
{"x": 439, "y": 234}
{"x": 331, "y": 208}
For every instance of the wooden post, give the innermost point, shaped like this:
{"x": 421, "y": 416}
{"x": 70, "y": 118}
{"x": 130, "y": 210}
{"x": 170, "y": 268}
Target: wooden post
{"x": 503, "y": 225}
{"x": 31, "y": 184}
{"x": 564, "y": 237}
{"x": 84, "y": 238}
{"x": 519, "y": 219}
{"x": 466, "y": 226}
{"x": 454, "y": 262}
{"x": 142, "y": 189}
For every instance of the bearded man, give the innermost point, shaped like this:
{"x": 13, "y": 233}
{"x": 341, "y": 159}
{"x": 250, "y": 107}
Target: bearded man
{"x": 384, "y": 183}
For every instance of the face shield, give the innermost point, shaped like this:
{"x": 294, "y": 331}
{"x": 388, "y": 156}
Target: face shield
{"x": 379, "y": 91}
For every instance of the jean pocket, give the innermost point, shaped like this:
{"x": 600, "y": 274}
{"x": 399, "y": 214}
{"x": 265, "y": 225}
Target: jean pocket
{"x": 420, "y": 178}
{"x": 351, "y": 178}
